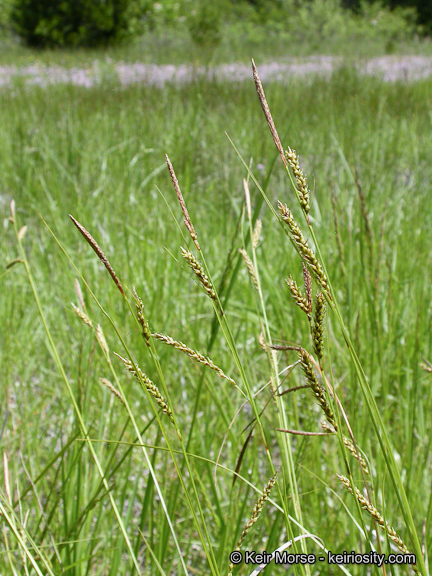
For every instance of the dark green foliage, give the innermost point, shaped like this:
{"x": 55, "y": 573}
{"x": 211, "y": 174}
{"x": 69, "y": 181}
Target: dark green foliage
{"x": 204, "y": 23}
{"x": 51, "y": 23}
{"x": 423, "y": 8}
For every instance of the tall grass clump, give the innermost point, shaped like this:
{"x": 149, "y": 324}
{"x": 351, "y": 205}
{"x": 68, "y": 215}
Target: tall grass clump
{"x": 267, "y": 433}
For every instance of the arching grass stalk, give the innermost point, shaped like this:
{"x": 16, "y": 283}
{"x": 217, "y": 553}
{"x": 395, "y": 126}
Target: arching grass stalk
{"x": 377, "y": 422}
{"x": 284, "y": 439}
{"x": 128, "y": 408}
{"x": 151, "y": 391}
{"x": 71, "y": 394}
{"x": 226, "y": 330}
{"x": 201, "y": 270}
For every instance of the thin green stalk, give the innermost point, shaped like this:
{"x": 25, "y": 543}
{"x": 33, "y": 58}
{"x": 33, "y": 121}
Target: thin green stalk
{"x": 74, "y": 402}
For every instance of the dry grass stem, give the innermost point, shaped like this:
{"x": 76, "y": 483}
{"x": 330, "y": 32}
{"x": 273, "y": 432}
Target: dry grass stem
{"x": 256, "y": 234}
{"x": 192, "y": 354}
{"x": 250, "y": 267}
{"x": 303, "y": 248}
{"x": 301, "y": 300}
{"x": 308, "y": 286}
{"x": 302, "y": 187}
{"x": 318, "y": 390}
{"x": 187, "y": 220}
{"x": 149, "y": 385}
{"x": 99, "y": 253}
{"x": 199, "y": 271}
{"x": 108, "y": 384}
{"x": 373, "y": 512}
{"x": 318, "y": 326}
{"x": 267, "y": 113}
{"x": 256, "y": 513}
{"x": 145, "y": 330}
{"x": 284, "y": 347}
{"x": 301, "y": 432}
{"x": 82, "y": 315}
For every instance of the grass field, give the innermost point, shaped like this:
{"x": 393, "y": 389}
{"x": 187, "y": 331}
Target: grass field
{"x": 99, "y": 155}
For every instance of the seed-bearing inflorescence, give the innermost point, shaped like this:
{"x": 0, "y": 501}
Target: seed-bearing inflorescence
{"x": 372, "y": 511}
{"x": 114, "y": 390}
{"x": 81, "y": 314}
{"x": 199, "y": 271}
{"x": 256, "y": 513}
{"x": 145, "y": 330}
{"x": 150, "y": 386}
{"x": 301, "y": 300}
{"x": 303, "y": 248}
{"x": 99, "y": 253}
{"x": 256, "y": 234}
{"x": 187, "y": 220}
{"x": 318, "y": 326}
{"x": 192, "y": 354}
{"x": 318, "y": 390}
{"x": 302, "y": 186}
{"x": 250, "y": 267}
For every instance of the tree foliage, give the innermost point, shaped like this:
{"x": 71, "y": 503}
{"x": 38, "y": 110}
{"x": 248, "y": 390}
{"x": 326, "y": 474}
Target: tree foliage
{"x": 77, "y": 22}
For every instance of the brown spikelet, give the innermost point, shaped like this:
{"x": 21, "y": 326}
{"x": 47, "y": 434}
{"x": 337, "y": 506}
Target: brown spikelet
{"x": 101, "y": 339}
{"x": 318, "y": 390}
{"x": 145, "y": 330}
{"x": 249, "y": 266}
{"x": 13, "y": 263}
{"x": 373, "y": 512}
{"x": 302, "y": 187}
{"x": 267, "y": 113}
{"x": 256, "y": 513}
{"x": 144, "y": 380}
{"x": 303, "y": 248}
{"x": 114, "y": 390}
{"x": 308, "y": 286}
{"x": 192, "y": 354}
{"x": 301, "y": 300}
{"x": 262, "y": 342}
{"x": 256, "y": 234}
{"x": 318, "y": 326}
{"x": 99, "y": 253}
{"x": 82, "y": 315}
{"x": 79, "y": 293}
{"x": 199, "y": 271}
{"x": 187, "y": 219}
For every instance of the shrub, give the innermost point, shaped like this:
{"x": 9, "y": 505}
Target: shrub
{"x": 77, "y": 22}
{"x": 204, "y": 23}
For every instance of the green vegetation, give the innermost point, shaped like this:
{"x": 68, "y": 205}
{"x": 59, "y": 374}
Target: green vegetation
{"x": 43, "y": 23}
{"x": 214, "y": 31}
{"x": 99, "y": 155}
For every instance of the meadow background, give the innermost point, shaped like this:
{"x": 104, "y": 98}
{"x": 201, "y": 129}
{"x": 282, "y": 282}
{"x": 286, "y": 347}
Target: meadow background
{"x": 99, "y": 154}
